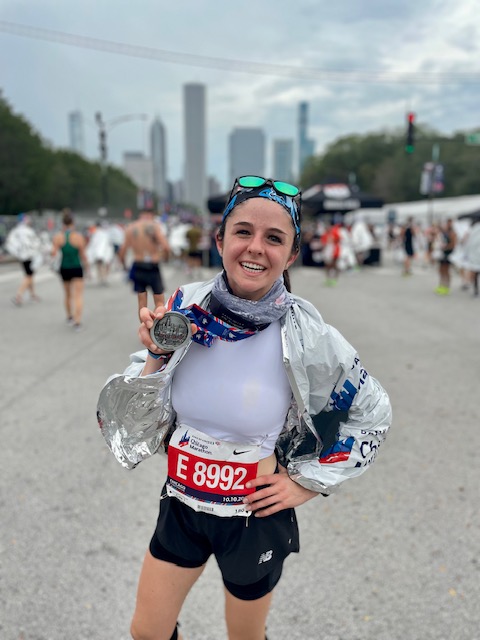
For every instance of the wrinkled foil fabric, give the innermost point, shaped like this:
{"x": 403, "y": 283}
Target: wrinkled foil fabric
{"x": 329, "y": 387}
{"x": 133, "y": 417}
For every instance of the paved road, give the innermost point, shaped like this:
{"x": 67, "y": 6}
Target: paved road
{"x": 393, "y": 556}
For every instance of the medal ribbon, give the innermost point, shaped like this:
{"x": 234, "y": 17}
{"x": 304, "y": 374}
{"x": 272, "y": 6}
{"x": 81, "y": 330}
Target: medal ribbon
{"x": 210, "y": 327}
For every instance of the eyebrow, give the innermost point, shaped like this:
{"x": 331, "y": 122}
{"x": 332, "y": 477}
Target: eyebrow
{"x": 249, "y": 224}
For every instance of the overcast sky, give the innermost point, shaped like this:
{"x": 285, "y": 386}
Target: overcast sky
{"x": 361, "y": 66}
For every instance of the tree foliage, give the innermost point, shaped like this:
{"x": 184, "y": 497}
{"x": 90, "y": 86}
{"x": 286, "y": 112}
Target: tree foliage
{"x": 379, "y": 164}
{"x": 35, "y": 177}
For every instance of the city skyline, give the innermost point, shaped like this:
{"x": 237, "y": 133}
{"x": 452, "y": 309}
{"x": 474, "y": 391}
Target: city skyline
{"x": 247, "y": 150}
{"x": 360, "y": 67}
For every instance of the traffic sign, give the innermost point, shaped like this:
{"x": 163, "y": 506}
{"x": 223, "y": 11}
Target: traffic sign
{"x": 472, "y": 138}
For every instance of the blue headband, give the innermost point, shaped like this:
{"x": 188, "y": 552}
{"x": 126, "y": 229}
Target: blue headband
{"x": 287, "y": 202}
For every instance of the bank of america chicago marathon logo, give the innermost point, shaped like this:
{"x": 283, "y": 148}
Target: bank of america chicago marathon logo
{"x": 196, "y": 443}
{"x": 184, "y": 440}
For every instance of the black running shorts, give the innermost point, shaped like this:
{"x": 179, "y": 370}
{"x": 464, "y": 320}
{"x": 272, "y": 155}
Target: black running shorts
{"x": 146, "y": 275}
{"x": 27, "y": 267}
{"x": 249, "y": 551}
{"x": 70, "y": 273}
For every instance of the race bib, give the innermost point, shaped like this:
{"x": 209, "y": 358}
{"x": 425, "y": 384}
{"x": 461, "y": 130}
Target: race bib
{"x": 210, "y": 475}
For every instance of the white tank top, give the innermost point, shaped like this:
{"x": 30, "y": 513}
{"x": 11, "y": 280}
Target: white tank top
{"x": 235, "y": 391}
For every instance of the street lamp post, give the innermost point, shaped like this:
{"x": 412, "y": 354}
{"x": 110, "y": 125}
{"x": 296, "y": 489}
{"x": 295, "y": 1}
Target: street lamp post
{"x": 102, "y": 135}
{"x": 103, "y": 128}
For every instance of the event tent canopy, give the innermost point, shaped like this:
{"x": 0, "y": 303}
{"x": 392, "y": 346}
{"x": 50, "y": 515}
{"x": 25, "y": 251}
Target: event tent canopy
{"x": 328, "y": 199}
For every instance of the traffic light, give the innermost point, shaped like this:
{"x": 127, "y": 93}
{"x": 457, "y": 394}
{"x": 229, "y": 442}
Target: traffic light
{"x": 410, "y": 142}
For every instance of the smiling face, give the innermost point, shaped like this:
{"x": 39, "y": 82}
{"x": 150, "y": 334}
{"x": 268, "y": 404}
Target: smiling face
{"x": 256, "y": 247}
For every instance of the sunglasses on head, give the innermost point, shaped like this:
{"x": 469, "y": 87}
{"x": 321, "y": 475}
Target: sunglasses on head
{"x": 288, "y": 195}
{"x": 252, "y": 182}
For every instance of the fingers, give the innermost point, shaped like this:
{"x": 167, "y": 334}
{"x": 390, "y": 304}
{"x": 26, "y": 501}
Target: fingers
{"x": 271, "y": 498}
{"x": 279, "y": 493}
{"x": 147, "y": 318}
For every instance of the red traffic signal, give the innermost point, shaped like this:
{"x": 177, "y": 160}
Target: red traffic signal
{"x": 410, "y": 141}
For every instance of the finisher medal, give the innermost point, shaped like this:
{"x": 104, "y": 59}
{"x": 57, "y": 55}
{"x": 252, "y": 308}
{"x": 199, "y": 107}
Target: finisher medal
{"x": 171, "y": 332}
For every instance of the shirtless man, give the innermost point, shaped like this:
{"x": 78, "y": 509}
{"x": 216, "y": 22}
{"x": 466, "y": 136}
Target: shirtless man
{"x": 145, "y": 239}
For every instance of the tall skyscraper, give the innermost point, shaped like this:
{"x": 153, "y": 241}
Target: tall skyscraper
{"x": 75, "y": 132}
{"x": 158, "y": 145}
{"x": 139, "y": 167}
{"x": 306, "y": 146}
{"x": 247, "y": 152}
{"x": 195, "y": 145}
{"x": 283, "y": 160}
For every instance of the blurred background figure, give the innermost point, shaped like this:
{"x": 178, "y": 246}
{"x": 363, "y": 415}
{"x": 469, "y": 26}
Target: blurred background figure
{"x": 24, "y": 244}
{"x": 145, "y": 239}
{"x": 472, "y": 254}
{"x": 70, "y": 245}
{"x": 194, "y": 251}
{"x": 100, "y": 251}
{"x": 408, "y": 236}
{"x": 458, "y": 257}
{"x": 361, "y": 238}
{"x": 448, "y": 239}
{"x": 178, "y": 242}
{"x": 117, "y": 237}
{"x": 331, "y": 239}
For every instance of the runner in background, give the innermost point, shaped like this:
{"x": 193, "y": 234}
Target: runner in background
{"x": 24, "y": 244}
{"x": 448, "y": 241}
{"x": 331, "y": 241}
{"x": 408, "y": 235}
{"x": 146, "y": 241}
{"x": 71, "y": 244}
{"x": 194, "y": 251}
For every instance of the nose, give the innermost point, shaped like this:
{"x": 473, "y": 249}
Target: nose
{"x": 256, "y": 244}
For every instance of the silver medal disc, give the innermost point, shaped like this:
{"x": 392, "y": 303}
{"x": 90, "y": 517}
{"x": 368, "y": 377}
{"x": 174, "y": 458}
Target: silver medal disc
{"x": 171, "y": 332}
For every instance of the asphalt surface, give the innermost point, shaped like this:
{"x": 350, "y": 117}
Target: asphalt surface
{"x": 393, "y": 556}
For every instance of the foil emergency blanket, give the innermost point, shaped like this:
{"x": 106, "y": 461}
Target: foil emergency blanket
{"x": 335, "y": 426}
{"x": 133, "y": 417}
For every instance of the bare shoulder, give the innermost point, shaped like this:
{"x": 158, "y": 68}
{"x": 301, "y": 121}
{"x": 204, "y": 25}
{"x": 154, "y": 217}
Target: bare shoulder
{"x": 58, "y": 238}
{"x": 77, "y": 239}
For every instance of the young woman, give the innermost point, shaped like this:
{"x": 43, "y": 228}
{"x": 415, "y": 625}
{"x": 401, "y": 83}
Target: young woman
{"x": 238, "y": 405}
{"x": 71, "y": 245}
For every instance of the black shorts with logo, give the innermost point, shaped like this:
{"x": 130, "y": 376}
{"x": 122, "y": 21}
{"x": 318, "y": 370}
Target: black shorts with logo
{"x": 249, "y": 551}
{"x": 146, "y": 275}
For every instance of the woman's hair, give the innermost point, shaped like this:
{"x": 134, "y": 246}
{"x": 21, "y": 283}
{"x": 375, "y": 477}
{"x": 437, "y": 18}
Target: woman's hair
{"x": 67, "y": 218}
{"x": 295, "y": 249}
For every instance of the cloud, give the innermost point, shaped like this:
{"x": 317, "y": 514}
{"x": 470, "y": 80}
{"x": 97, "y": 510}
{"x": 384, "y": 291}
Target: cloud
{"x": 348, "y": 60}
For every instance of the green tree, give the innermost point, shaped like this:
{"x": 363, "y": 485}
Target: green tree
{"x": 34, "y": 176}
{"x": 380, "y": 165}
{"x": 23, "y": 163}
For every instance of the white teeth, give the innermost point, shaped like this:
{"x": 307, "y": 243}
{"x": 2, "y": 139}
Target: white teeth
{"x": 253, "y": 267}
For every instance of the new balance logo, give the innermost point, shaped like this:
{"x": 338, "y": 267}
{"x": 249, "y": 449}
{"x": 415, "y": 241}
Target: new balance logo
{"x": 265, "y": 557}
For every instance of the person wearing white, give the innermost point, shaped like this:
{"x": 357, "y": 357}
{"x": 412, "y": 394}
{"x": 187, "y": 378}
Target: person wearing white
{"x": 24, "y": 244}
{"x": 472, "y": 254}
{"x": 100, "y": 251}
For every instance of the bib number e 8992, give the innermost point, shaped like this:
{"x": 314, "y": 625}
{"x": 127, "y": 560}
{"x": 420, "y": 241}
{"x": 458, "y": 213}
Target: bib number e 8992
{"x": 211, "y": 476}
{"x": 216, "y": 476}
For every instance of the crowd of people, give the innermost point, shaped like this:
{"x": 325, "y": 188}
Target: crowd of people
{"x": 140, "y": 247}
{"x": 452, "y": 246}
{"x": 243, "y": 442}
